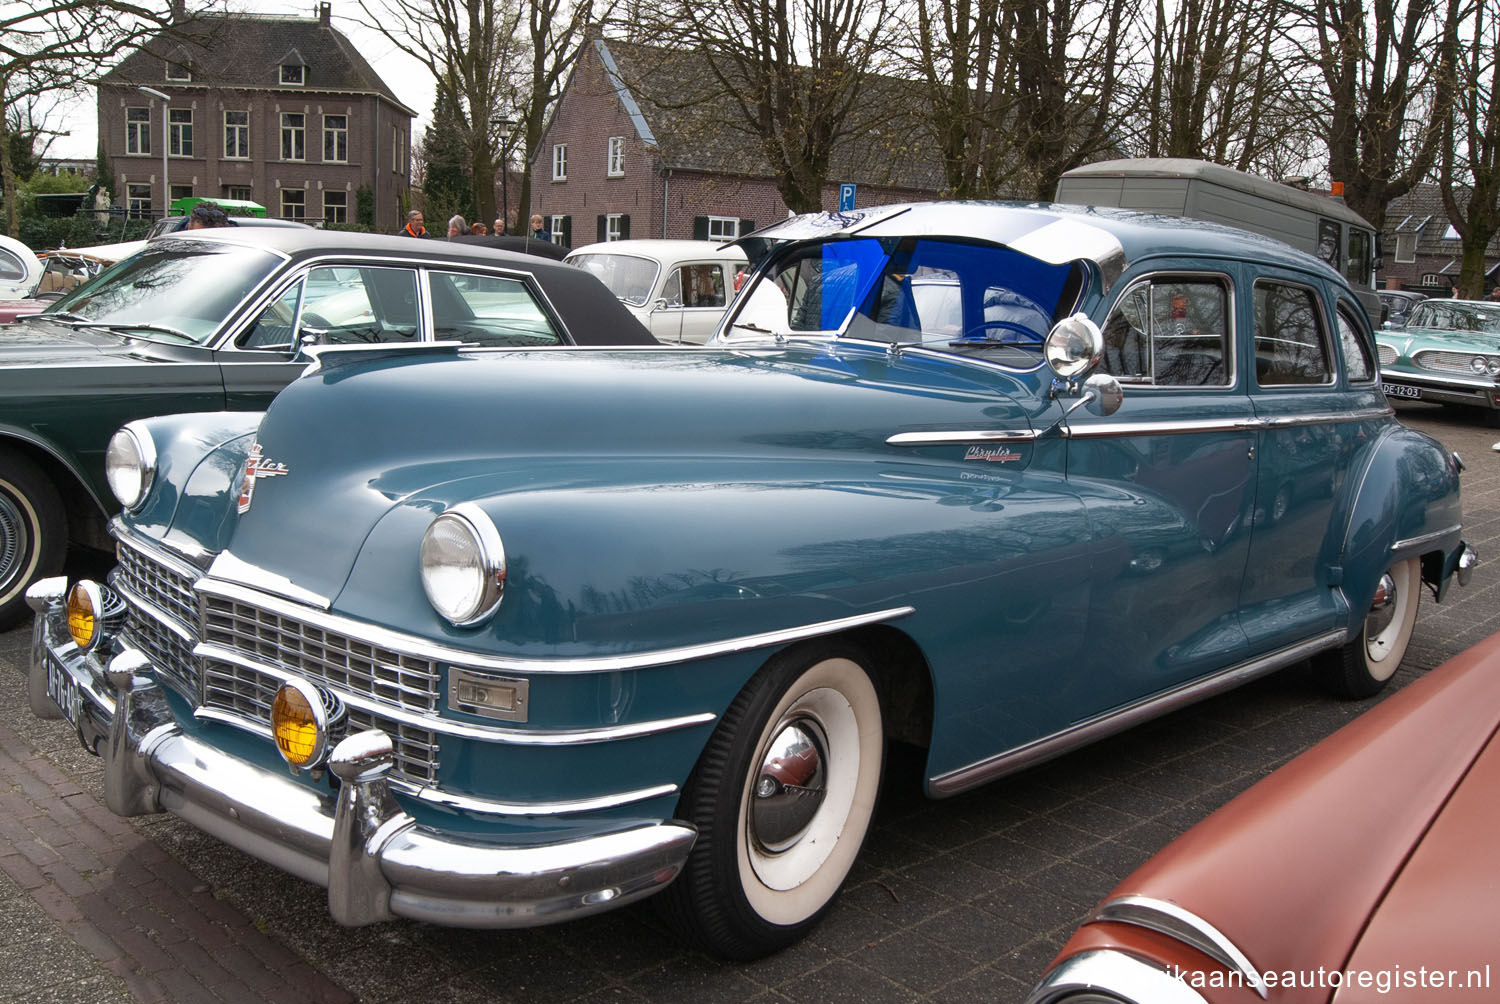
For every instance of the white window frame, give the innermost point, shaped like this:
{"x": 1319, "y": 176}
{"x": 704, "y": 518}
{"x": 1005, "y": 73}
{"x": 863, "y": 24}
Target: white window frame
{"x": 395, "y": 150}
{"x": 138, "y": 132}
{"x": 1432, "y": 279}
{"x": 556, "y": 228}
{"x": 1409, "y": 241}
{"x": 178, "y": 73}
{"x": 342, "y": 205}
{"x": 180, "y": 132}
{"x": 300, "y": 204}
{"x": 614, "y": 165}
{"x": 296, "y": 134}
{"x": 723, "y": 228}
{"x": 297, "y": 70}
{"x": 240, "y": 193}
{"x": 138, "y": 200}
{"x": 559, "y": 162}
{"x": 612, "y": 227}
{"x": 236, "y": 134}
{"x": 179, "y": 192}
{"x": 340, "y": 137}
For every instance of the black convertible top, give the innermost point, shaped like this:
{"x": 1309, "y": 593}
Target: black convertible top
{"x": 591, "y": 314}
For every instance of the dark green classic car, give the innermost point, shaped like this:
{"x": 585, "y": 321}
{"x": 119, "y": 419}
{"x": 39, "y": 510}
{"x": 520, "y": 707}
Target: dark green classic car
{"x": 223, "y": 320}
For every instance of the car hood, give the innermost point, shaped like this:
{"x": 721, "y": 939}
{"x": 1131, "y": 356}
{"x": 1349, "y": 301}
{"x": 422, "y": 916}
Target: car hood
{"x": 43, "y": 343}
{"x": 425, "y": 431}
{"x": 1293, "y": 870}
{"x": 1443, "y": 338}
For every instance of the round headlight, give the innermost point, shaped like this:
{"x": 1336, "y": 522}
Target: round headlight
{"x": 1492, "y": 366}
{"x": 130, "y": 464}
{"x": 85, "y": 614}
{"x": 463, "y": 565}
{"x": 300, "y": 724}
{"x": 1477, "y": 365}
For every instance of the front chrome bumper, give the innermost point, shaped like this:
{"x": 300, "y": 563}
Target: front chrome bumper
{"x": 376, "y": 861}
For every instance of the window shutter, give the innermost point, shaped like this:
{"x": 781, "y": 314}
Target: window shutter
{"x": 567, "y": 232}
{"x": 700, "y": 228}
{"x": 746, "y": 226}
{"x": 603, "y": 233}
{"x": 625, "y": 228}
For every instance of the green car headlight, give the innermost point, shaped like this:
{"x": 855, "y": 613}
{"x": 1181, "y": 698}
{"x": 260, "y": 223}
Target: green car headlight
{"x": 130, "y": 464}
{"x": 463, "y": 566}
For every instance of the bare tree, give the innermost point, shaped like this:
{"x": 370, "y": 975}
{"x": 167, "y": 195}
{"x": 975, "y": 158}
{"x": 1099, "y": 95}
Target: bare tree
{"x": 791, "y": 71}
{"x": 476, "y": 55}
{"x": 1388, "y": 76}
{"x": 57, "y": 46}
{"x": 1470, "y": 149}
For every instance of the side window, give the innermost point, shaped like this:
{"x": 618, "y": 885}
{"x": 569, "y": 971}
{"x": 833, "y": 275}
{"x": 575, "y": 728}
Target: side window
{"x": 349, "y": 305}
{"x": 702, "y": 286}
{"x": 487, "y": 311}
{"x": 1328, "y": 243}
{"x": 1357, "y": 365}
{"x": 273, "y": 329}
{"x": 672, "y": 291}
{"x": 1290, "y": 349}
{"x": 11, "y": 267}
{"x": 1170, "y": 332}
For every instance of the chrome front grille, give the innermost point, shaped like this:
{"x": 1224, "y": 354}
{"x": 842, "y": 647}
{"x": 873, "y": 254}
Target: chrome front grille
{"x": 344, "y": 663}
{"x": 1388, "y": 355}
{"x": 169, "y": 653}
{"x": 168, "y": 590}
{"x": 247, "y": 693}
{"x": 1447, "y": 362}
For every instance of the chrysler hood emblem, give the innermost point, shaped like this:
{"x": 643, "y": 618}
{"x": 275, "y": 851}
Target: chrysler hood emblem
{"x": 257, "y": 466}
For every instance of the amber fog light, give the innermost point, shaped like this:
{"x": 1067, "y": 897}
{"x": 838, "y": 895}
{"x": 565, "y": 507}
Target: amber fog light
{"x": 300, "y": 725}
{"x": 85, "y": 614}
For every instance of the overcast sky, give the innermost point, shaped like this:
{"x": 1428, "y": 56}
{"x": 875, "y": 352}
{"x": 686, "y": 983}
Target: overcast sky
{"x": 405, "y": 76}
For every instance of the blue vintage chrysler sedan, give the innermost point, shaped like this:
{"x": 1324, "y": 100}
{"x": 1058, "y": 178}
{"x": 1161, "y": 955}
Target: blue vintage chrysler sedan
{"x": 996, "y": 480}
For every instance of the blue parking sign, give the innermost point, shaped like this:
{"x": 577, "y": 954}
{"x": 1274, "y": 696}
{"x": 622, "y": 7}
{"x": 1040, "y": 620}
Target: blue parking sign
{"x": 846, "y": 197}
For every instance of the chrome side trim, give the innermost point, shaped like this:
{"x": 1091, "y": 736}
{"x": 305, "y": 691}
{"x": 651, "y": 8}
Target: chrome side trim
{"x": 1327, "y": 417}
{"x": 467, "y": 804}
{"x": 1107, "y": 724}
{"x": 1172, "y": 428}
{"x": 1185, "y": 926}
{"x": 1426, "y": 538}
{"x": 423, "y": 649}
{"x": 460, "y": 730}
{"x": 947, "y": 438}
{"x": 1120, "y": 976}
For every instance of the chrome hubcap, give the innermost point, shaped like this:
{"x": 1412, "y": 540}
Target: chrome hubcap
{"x": 1382, "y": 608}
{"x": 12, "y": 540}
{"x": 789, "y": 786}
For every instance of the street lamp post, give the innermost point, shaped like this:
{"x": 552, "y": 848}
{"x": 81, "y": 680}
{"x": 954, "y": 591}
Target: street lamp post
{"x": 166, "y": 191}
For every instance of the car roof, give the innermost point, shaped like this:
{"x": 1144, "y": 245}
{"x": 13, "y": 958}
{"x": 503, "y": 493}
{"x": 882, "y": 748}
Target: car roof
{"x": 1052, "y": 232}
{"x": 664, "y": 248}
{"x": 592, "y": 314}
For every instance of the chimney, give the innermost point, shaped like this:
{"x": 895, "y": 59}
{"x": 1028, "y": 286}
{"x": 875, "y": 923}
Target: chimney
{"x": 325, "y": 15}
{"x": 179, "y": 11}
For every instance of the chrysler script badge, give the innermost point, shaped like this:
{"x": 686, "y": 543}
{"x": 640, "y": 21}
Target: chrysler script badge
{"x": 992, "y": 454}
{"x": 257, "y": 466}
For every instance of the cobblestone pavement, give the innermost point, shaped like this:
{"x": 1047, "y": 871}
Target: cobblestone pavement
{"x": 961, "y": 900}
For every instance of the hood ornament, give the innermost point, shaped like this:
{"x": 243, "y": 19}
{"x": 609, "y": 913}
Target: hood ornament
{"x": 257, "y": 466}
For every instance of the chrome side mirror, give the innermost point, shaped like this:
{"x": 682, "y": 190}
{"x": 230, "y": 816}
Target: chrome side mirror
{"x": 1102, "y": 395}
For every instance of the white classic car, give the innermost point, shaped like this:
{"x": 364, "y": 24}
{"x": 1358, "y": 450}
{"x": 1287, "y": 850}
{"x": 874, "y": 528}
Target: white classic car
{"x": 678, "y": 289}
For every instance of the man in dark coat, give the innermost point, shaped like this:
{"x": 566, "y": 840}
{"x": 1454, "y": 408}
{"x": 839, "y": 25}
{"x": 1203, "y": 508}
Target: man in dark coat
{"x": 414, "y": 225}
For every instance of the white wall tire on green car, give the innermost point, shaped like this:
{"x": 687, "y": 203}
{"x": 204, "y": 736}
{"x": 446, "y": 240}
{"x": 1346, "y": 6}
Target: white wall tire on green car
{"x": 1363, "y": 666}
{"x": 33, "y": 532}
{"x": 770, "y": 858}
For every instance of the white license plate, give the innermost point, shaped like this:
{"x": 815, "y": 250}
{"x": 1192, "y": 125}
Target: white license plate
{"x": 1401, "y": 390}
{"x": 62, "y": 690}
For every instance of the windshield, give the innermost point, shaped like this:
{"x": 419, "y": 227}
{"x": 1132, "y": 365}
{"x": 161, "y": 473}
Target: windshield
{"x": 1451, "y": 316}
{"x": 942, "y": 294}
{"x": 182, "y": 287}
{"x": 630, "y": 278}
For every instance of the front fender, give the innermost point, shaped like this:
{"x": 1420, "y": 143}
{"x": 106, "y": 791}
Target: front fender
{"x": 1406, "y": 505}
{"x": 198, "y": 456}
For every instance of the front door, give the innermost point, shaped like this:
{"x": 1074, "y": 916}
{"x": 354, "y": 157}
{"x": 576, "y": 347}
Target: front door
{"x": 695, "y": 297}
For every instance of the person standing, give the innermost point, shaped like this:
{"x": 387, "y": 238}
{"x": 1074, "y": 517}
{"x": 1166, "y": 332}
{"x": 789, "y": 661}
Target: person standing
{"x": 457, "y": 227}
{"x": 538, "y": 231}
{"x": 414, "y": 225}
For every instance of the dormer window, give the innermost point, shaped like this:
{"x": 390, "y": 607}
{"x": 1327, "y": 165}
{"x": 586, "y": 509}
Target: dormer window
{"x": 292, "y": 74}
{"x": 179, "y": 72}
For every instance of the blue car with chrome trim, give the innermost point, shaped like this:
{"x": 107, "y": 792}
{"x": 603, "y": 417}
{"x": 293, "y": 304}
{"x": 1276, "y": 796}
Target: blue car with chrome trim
{"x": 996, "y": 480}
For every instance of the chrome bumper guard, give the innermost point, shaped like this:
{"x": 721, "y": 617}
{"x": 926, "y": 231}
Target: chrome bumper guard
{"x": 375, "y": 860}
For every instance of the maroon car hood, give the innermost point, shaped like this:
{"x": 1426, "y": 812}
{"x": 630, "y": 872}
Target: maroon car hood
{"x": 1292, "y": 870}
{"x": 1443, "y": 913}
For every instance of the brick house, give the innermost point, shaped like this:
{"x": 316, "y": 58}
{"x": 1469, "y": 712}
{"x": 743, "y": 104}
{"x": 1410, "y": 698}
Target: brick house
{"x": 276, "y": 110}
{"x": 642, "y": 144}
{"x": 1421, "y": 248}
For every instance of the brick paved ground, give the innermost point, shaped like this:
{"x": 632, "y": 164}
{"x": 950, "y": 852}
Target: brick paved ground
{"x": 961, "y": 900}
